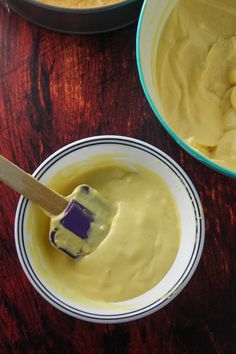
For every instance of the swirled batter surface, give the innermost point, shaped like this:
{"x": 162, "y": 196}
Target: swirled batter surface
{"x": 196, "y": 76}
{"x": 140, "y": 248}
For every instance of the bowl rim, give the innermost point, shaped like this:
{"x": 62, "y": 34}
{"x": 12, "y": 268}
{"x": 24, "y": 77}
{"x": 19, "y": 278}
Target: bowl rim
{"x": 78, "y": 9}
{"x": 171, "y": 132}
{"x": 180, "y": 283}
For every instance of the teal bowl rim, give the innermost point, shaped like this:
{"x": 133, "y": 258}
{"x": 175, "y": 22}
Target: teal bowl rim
{"x": 185, "y": 146}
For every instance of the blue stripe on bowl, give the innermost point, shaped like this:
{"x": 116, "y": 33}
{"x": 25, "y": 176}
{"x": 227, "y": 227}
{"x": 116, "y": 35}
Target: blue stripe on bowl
{"x": 182, "y": 281}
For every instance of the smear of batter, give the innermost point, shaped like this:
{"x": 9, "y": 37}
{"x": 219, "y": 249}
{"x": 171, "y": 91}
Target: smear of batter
{"x": 84, "y": 224}
{"x": 139, "y": 249}
{"x": 80, "y": 3}
{"x": 196, "y": 76}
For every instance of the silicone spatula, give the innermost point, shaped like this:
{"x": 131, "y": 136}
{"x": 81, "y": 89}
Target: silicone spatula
{"x": 75, "y": 229}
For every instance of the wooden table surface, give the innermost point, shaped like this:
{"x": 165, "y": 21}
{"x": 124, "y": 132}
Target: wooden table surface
{"x": 55, "y": 89}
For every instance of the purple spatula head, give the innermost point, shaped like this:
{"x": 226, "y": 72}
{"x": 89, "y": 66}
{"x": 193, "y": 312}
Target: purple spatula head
{"x": 84, "y": 223}
{"x": 77, "y": 219}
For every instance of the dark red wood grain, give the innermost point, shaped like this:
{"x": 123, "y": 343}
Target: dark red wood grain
{"x": 55, "y": 89}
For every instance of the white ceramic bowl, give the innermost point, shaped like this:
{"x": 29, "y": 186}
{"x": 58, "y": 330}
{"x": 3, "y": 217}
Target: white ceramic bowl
{"x": 153, "y": 17}
{"x": 192, "y": 227}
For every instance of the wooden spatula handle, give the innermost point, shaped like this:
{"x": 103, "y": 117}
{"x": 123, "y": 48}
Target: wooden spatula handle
{"x": 30, "y": 188}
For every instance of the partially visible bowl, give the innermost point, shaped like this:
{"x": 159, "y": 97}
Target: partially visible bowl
{"x": 191, "y": 220}
{"x": 78, "y": 20}
{"x": 153, "y": 17}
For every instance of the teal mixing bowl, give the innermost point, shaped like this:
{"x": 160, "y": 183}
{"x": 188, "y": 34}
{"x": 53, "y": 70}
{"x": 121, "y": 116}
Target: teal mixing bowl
{"x": 152, "y": 19}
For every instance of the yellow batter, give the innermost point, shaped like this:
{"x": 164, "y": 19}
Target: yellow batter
{"x": 80, "y": 3}
{"x": 140, "y": 247}
{"x": 196, "y": 76}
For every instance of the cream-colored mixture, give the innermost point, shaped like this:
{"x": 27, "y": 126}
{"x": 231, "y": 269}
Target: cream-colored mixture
{"x": 139, "y": 249}
{"x": 80, "y": 3}
{"x": 196, "y": 76}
